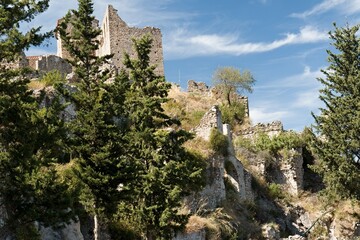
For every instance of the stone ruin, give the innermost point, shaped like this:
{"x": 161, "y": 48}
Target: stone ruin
{"x": 41, "y": 64}
{"x": 286, "y": 169}
{"x": 221, "y": 168}
{"x": 116, "y": 39}
{"x": 198, "y": 87}
{"x": 202, "y": 89}
{"x": 47, "y": 63}
{"x": 271, "y": 129}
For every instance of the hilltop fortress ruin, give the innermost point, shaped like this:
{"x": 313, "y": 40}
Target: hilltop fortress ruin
{"x": 116, "y": 39}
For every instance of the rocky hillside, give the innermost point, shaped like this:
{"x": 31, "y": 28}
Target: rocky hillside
{"x": 262, "y": 185}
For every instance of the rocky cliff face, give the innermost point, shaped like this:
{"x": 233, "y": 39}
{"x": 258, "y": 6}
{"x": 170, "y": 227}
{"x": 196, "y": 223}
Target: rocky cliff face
{"x": 295, "y": 216}
{"x": 221, "y": 168}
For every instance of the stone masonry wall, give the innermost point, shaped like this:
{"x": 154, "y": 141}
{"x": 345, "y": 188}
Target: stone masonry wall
{"x": 19, "y": 63}
{"x": 48, "y": 63}
{"x": 61, "y": 51}
{"x": 271, "y": 129}
{"x": 117, "y": 38}
{"x": 211, "y": 119}
{"x": 215, "y": 191}
{"x": 198, "y": 87}
{"x": 214, "y": 92}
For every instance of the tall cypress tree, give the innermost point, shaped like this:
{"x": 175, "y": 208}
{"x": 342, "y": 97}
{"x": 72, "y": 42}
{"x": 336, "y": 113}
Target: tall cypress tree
{"x": 167, "y": 171}
{"x": 338, "y": 147}
{"x": 97, "y": 131}
{"x": 31, "y": 136}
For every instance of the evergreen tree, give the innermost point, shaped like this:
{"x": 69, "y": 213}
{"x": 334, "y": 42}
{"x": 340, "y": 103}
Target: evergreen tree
{"x": 338, "y": 125}
{"x": 98, "y": 129}
{"x": 31, "y": 136}
{"x": 12, "y": 40}
{"x": 167, "y": 171}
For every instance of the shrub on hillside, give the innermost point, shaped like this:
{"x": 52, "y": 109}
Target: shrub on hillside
{"x": 51, "y": 78}
{"x": 233, "y": 114}
{"x": 219, "y": 142}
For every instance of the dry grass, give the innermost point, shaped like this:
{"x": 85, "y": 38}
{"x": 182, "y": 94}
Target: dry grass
{"x": 217, "y": 225}
{"x": 197, "y": 223}
{"x": 310, "y": 202}
{"x": 199, "y": 145}
{"x": 192, "y": 101}
{"x": 189, "y": 108}
{"x": 35, "y": 84}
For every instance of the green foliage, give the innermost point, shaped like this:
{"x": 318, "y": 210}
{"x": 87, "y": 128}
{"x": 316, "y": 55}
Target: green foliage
{"x": 51, "y": 78}
{"x": 81, "y": 44}
{"x": 274, "y": 145}
{"x": 13, "y": 41}
{"x": 32, "y": 144}
{"x": 124, "y": 230}
{"x": 338, "y": 125}
{"x": 98, "y": 145}
{"x": 27, "y": 232}
{"x": 166, "y": 171}
{"x": 275, "y": 191}
{"x": 285, "y": 140}
{"x": 231, "y": 80}
{"x": 241, "y": 142}
{"x": 31, "y": 138}
{"x": 233, "y": 114}
{"x": 218, "y": 142}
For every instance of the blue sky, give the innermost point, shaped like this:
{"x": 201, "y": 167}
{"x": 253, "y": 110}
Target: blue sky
{"x": 282, "y": 42}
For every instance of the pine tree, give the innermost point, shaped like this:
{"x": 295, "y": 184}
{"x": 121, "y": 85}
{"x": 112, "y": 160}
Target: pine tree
{"x": 167, "y": 171}
{"x": 98, "y": 129}
{"x": 338, "y": 125}
{"x": 12, "y": 40}
{"x": 31, "y": 136}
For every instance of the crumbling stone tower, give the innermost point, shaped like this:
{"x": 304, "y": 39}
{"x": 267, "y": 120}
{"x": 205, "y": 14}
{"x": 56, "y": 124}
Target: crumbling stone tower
{"x": 116, "y": 39}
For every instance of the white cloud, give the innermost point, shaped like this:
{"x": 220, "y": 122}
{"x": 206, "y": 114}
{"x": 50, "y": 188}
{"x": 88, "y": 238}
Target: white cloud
{"x": 344, "y": 6}
{"x": 290, "y": 99}
{"x": 352, "y": 7}
{"x": 134, "y": 12}
{"x": 305, "y": 79}
{"x": 308, "y": 99}
{"x": 263, "y": 115}
{"x": 183, "y": 44}
{"x": 143, "y": 12}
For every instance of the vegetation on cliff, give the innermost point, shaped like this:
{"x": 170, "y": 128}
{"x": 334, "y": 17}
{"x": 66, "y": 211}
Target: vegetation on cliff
{"x": 124, "y": 158}
{"x": 31, "y": 136}
{"x": 337, "y": 143}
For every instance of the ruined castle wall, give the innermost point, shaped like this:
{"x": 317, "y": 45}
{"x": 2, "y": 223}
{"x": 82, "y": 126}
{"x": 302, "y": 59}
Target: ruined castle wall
{"x": 271, "y": 129}
{"x": 211, "y": 119}
{"x": 198, "y": 87}
{"x": 117, "y": 37}
{"x": 215, "y": 191}
{"x": 61, "y": 51}
{"x": 33, "y": 61}
{"x": 52, "y": 62}
{"x": 217, "y": 94}
{"x": 48, "y": 63}
{"x": 104, "y": 48}
{"x": 21, "y": 62}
